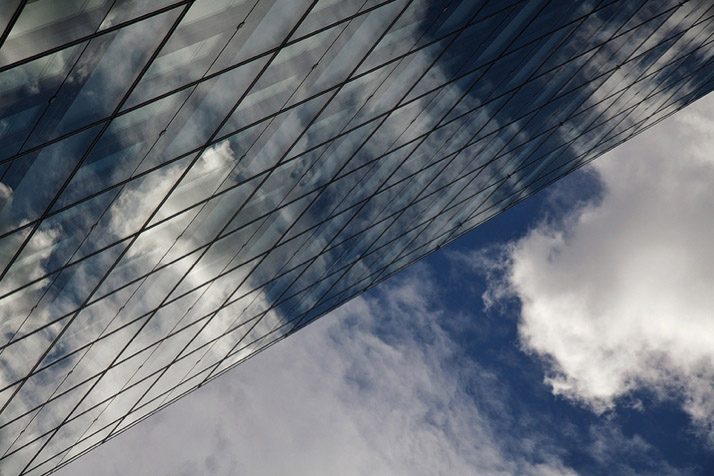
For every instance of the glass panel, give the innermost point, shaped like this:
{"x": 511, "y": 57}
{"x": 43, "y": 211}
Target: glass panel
{"x": 47, "y": 24}
{"x": 241, "y": 189}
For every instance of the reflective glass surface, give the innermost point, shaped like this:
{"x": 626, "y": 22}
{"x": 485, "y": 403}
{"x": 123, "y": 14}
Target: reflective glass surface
{"x": 183, "y": 183}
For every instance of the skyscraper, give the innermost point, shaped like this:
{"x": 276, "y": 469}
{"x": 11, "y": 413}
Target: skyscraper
{"x": 182, "y": 184}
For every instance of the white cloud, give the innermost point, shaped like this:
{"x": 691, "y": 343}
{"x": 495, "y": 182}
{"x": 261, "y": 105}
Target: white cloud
{"x": 371, "y": 389}
{"x": 416, "y": 380}
{"x": 5, "y": 195}
{"x": 617, "y": 296}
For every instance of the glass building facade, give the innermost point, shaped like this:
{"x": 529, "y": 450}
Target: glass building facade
{"x": 183, "y": 183}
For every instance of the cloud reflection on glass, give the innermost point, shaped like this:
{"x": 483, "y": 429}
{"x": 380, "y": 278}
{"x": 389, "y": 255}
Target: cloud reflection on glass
{"x": 179, "y": 192}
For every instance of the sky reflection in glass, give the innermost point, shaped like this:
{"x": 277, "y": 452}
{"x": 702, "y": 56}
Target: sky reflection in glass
{"x": 184, "y": 183}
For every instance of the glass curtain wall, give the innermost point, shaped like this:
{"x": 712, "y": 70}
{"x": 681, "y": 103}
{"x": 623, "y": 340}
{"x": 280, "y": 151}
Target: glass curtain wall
{"x": 184, "y": 183}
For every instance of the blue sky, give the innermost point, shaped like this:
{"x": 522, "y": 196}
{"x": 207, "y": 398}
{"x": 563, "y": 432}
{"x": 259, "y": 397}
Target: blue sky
{"x": 571, "y": 335}
{"x": 567, "y": 335}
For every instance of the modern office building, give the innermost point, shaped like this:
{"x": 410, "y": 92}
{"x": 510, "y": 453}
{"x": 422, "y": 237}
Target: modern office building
{"x": 183, "y": 183}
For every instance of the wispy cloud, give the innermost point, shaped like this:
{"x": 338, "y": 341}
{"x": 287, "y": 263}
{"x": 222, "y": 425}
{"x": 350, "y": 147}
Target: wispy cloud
{"x": 438, "y": 436}
{"x": 128, "y": 294}
{"x": 376, "y": 388}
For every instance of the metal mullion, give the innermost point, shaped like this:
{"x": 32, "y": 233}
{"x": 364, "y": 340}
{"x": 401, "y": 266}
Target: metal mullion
{"x": 348, "y": 266}
{"x": 86, "y": 450}
{"x": 692, "y": 40}
{"x": 578, "y": 165}
{"x": 468, "y": 112}
{"x": 595, "y": 48}
{"x": 434, "y": 194}
{"x": 339, "y": 85}
{"x": 332, "y": 213}
{"x": 323, "y": 251}
{"x": 39, "y": 117}
{"x": 149, "y": 376}
{"x": 379, "y": 279}
{"x": 158, "y": 265}
{"x": 707, "y": 21}
{"x": 342, "y": 134}
{"x": 474, "y": 142}
{"x": 685, "y": 98}
{"x": 79, "y": 260}
{"x": 532, "y": 113}
{"x": 403, "y": 210}
{"x": 79, "y": 164}
{"x": 209, "y": 244}
{"x": 225, "y": 333}
{"x": 258, "y": 316}
{"x": 332, "y": 247}
{"x": 410, "y": 230}
{"x": 495, "y": 213}
{"x": 377, "y": 220}
{"x": 210, "y": 138}
{"x": 268, "y": 117}
{"x": 131, "y": 385}
{"x": 187, "y": 292}
{"x": 70, "y": 313}
{"x": 281, "y": 205}
{"x": 378, "y": 275}
{"x": 176, "y": 159}
{"x": 404, "y": 253}
{"x": 85, "y": 155}
{"x": 398, "y": 212}
{"x": 257, "y": 288}
{"x": 618, "y": 93}
{"x": 639, "y": 80}
{"x": 575, "y": 164}
{"x": 111, "y": 244}
{"x": 94, "y": 35}
{"x": 573, "y": 89}
{"x": 408, "y": 3}
{"x": 439, "y": 122}
{"x": 449, "y": 157}
{"x": 335, "y": 282}
{"x": 170, "y": 217}
{"x": 62, "y": 463}
{"x": 527, "y": 44}
{"x": 173, "y": 262}
{"x": 39, "y": 437}
{"x": 500, "y": 182}
{"x": 344, "y": 165}
{"x": 11, "y": 23}
{"x": 39, "y": 120}
{"x": 84, "y": 381}
{"x": 354, "y": 289}
{"x": 665, "y": 66}
{"x": 196, "y": 82}
{"x": 381, "y": 270}
{"x": 651, "y": 94}
{"x": 107, "y": 208}
{"x": 438, "y": 214}
{"x": 166, "y": 197}
{"x": 682, "y": 82}
{"x": 48, "y": 104}
{"x": 114, "y": 423}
